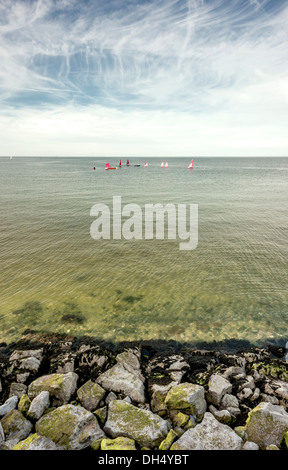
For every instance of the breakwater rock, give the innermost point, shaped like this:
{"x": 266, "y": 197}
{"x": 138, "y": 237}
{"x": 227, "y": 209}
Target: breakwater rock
{"x": 67, "y": 393}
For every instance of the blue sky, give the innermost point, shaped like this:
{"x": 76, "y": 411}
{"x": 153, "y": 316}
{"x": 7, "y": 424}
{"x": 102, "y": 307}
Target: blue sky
{"x": 149, "y": 77}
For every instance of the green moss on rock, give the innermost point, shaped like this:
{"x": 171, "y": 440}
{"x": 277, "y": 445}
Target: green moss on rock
{"x": 101, "y": 414}
{"x": 187, "y": 397}
{"x": 24, "y": 404}
{"x": 35, "y": 442}
{"x": 272, "y": 369}
{"x": 60, "y": 387}
{"x": 180, "y": 419}
{"x": 69, "y": 426}
{"x": 119, "y": 443}
{"x": 143, "y": 426}
{"x": 266, "y": 424}
{"x": 15, "y": 425}
{"x": 24, "y": 445}
{"x": 168, "y": 441}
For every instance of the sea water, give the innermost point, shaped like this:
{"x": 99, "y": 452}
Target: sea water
{"x": 56, "y": 278}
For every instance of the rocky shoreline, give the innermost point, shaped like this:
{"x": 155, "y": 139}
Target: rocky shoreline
{"x": 66, "y": 393}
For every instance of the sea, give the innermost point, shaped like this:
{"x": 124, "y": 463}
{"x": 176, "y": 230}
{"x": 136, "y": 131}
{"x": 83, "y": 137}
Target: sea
{"x": 57, "y": 277}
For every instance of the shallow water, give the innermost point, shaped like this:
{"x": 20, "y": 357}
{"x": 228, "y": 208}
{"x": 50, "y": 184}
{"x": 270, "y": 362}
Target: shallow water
{"x": 56, "y": 277}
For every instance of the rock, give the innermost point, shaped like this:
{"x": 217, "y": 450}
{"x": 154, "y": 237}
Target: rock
{"x": 240, "y": 430}
{"x": 191, "y": 423}
{"x": 248, "y": 445}
{"x": 247, "y": 383}
{"x": 26, "y": 353}
{"x": 91, "y": 357}
{"x": 38, "y": 405}
{"x": 209, "y": 435}
{"x": 188, "y": 398}
{"x": 2, "y": 436}
{"x": 90, "y": 395}
{"x": 223, "y": 416}
{"x": 256, "y": 394}
{"x": 158, "y": 401}
{"x": 101, "y": 414}
{"x": 24, "y": 404}
{"x": 269, "y": 399}
{"x": 245, "y": 394}
{"x": 36, "y": 442}
{"x": 169, "y": 363}
{"x": 282, "y": 392}
{"x": 71, "y": 427}
{"x": 16, "y": 426}
{"x": 146, "y": 428}
{"x": 17, "y": 389}
{"x": 168, "y": 441}
{"x": 27, "y": 359}
{"x": 96, "y": 444}
{"x": 230, "y": 403}
{"x": 218, "y": 386}
{"x": 22, "y": 377}
{"x": 63, "y": 364}
{"x": 180, "y": 419}
{"x": 256, "y": 376}
{"x": 120, "y": 443}
{"x": 111, "y": 396}
{"x": 10, "y": 404}
{"x": 60, "y": 387}
{"x": 30, "y": 363}
{"x": 267, "y": 424}
{"x": 250, "y": 375}
{"x": 177, "y": 368}
{"x": 118, "y": 379}
{"x": 285, "y": 439}
{"x": 272, "y": 447}
{"x": 234, "y": 371}
{"x": 9, "y": 444}
{"x": 268, "y": 389}
{"x": 130, "y": 360}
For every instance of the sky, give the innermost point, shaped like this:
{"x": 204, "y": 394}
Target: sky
{"x": 144, "y": 78}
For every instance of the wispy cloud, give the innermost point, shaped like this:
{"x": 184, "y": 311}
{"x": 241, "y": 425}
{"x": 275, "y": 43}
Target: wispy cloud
{"x": 139, "y": 65}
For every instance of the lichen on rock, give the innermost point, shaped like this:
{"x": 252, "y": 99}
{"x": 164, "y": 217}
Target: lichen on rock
{"x": 145, "y": 427}
{"x": 267, "y": 424}
{"x": 188, "y": 398}
{"x": 70, "y": 426}
{"x": 60, "y": 387}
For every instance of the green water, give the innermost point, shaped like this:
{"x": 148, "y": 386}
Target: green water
{"x": 56, "y": 277}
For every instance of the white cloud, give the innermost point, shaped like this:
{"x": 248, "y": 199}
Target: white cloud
{"x": 163, "y": 77}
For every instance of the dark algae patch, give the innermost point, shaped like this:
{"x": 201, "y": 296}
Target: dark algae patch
{"x": 132, "y": 298}
{"x": 72, "y": 314}
{"x": 29, "y": 308}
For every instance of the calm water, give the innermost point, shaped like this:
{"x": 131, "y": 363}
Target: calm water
{"x": 55, "y": 277}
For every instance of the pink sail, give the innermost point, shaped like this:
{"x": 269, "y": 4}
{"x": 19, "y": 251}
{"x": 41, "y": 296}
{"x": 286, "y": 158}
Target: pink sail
{"x": 191, "y": 165}
{"x": 162, "y": 164}
{"x": 120, "y": 163}
{"x": 166, "y": 165}
{"x": 107, "y": 166}
{"x": 146, "y": 164}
